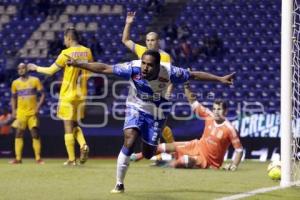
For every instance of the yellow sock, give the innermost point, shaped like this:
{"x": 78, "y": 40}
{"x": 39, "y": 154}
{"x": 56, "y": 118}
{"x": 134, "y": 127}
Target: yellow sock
{"x": 79, "y": 136}
{"x": 168, "y": 135}
{"x": 70, "y": 145}
{"x": 19, "y": 148}
{"x": 36, "y": 144}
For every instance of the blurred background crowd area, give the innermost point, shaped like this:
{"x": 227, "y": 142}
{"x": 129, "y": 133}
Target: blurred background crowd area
{"x": 217, "y": 36}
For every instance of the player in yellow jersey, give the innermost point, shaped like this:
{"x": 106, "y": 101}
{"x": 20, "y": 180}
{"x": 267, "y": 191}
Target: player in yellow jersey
{"x": 152, "y": 42}
{"x": 72, "y": 93}
{"x": 25, "y": 109}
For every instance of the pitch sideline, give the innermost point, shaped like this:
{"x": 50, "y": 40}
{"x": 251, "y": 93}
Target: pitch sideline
{"x": 258, "y": 191}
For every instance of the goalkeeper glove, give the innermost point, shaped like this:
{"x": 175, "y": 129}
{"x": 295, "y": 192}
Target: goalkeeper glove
{"x": 230, "y": 167}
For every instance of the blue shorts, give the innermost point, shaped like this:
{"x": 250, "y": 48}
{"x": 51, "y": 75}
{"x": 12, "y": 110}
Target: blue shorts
{"x": 149, "y": 128}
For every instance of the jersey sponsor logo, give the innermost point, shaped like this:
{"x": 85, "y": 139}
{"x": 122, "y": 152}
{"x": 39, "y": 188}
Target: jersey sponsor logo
{"x": 209, "y": 140}
{"x": 162, "y": 85}
{"x": 26, "y": 92}
{"x": 124, "y": 65}
{"x": 77, "y": 54}
{"x": 162, "y": 79}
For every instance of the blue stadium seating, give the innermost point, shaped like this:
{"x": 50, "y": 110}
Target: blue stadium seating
{"x": 249, "y": 31}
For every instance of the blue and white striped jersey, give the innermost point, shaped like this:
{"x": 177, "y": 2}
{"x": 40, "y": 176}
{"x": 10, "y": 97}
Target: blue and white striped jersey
{"x": 150, "y": 96}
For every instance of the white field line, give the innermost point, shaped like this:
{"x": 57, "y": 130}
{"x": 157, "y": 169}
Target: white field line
{"x": 258, "y": 191}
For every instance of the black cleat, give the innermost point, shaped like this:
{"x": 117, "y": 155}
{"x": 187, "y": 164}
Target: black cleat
{"x": 119, "y": 188}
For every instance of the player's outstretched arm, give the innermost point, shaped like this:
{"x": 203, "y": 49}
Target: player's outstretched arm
{"x": 100, "y": 68}
{"x": 238, "y": 157}
{"x": 204, "y": 76}
{"x": 43, "y": 70}
{"x": 188, "y": 93}
{"x": 170, "y": 90}
{"x": 126, "y": 32}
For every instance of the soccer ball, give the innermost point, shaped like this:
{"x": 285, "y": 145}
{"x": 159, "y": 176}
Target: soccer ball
{"x": 274, "y": 170}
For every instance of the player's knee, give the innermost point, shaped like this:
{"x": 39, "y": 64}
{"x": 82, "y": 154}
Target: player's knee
{"x": 35, "y": 136}
{"x": 34, "y": 133}
{"x": 19, "y": 133}
{"x": 129, "y": 137}
{"x": 129, "y": 142}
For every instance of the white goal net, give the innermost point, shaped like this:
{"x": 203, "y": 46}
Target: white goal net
{"x": 296, "y": 92}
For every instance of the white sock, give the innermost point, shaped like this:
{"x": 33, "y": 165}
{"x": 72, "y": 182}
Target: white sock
{"x": 122, "y": 166}
{"x": 163, "y": 157}
{"x": 163, "y": 147}
{"x": 166, "y": 156}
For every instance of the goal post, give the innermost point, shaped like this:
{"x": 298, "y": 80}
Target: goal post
{"x": 286, "y": 92}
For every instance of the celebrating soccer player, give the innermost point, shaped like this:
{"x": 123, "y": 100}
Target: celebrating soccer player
{"x": 152, "y": 42}
{"x": 72, "y": 93}
{"x": 25, "y": 109}
{"x": 147, "y": 103}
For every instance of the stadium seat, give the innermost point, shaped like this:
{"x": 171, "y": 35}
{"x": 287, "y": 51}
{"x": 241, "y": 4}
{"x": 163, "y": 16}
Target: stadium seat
{"x": 11, "y": 10}
{"x": 105, "y": 9}
{"x": 117, "y": 9}
{"x": 49, "y": 35}
{"x": 82, "y": 9}
{"x": 81, "y": 26}
{"x": 251, "y": 45}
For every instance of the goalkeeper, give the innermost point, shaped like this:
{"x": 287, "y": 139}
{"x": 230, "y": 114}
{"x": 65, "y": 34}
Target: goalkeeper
{"x": 209, "y": 151}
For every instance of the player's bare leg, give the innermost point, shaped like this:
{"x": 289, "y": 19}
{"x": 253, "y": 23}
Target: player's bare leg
{"x": 130, "y": 136}
{"x": 169, "y": 147}
{"x": 183, "y": 162}
{"x": 164, "y": 153}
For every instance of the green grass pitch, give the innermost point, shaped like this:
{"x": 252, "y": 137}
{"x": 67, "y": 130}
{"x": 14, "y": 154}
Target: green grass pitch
{"x": 95, "y": 180}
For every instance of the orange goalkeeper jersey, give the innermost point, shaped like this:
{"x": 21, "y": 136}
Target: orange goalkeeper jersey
{"x": 216, "y": 138}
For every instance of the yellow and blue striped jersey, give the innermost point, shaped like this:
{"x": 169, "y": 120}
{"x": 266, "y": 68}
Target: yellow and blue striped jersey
{"x": 26, "y": 92}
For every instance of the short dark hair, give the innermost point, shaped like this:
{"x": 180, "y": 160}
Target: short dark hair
{"x": 221, "y": 102}
{"x": 73, "y": 33}
{"x": 153, "y": 53}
